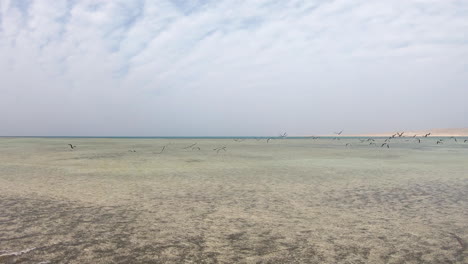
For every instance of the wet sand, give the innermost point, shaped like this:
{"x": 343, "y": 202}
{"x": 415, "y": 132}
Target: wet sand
{"x": 286, "y": 201}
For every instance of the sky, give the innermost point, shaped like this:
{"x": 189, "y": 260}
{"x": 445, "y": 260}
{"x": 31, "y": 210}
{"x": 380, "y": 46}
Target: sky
{"x": 231, "y": 68}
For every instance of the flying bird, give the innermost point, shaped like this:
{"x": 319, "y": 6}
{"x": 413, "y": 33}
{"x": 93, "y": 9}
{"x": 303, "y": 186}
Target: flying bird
{"x": 339, "y": 133}
{"x": 400, "y": 134}
{"x": 163, "y": 148}
{"x": 191, "y": 146}
{"x": 383, "y": 145}
{"x": 284, "y": 135}
{"x": 219, "y": 149}
{"x": 71, "y": 146}
{"x": 439, "y": 141}
{"x": 428, "y": 134}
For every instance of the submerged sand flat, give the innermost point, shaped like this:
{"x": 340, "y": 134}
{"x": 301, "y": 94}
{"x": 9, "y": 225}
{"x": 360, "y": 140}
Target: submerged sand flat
{"x": 286, "y": 201}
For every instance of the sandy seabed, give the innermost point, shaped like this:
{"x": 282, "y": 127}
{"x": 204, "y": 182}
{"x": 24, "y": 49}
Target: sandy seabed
{"x": 286, "y": 201}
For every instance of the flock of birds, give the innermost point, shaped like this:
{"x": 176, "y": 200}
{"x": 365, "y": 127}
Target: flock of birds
{"x": 370, "y": 140}
{"x": 386, "y": 142}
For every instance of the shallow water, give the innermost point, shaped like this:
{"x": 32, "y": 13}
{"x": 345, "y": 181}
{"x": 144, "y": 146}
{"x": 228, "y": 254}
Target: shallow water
{"x": 286, "y": 201}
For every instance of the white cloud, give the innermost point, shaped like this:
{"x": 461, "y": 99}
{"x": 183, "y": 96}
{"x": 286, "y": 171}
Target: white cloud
{"x": 231, "y": 67}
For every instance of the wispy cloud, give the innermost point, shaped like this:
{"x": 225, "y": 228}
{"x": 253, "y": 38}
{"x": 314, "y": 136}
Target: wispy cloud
{"x": 231, "y": 67}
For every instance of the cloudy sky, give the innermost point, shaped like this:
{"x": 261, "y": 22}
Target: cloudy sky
{"x": 257, "y": 67}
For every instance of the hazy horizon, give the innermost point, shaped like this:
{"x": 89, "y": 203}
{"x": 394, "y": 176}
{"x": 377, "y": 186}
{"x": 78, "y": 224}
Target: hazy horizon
{"x": 458, "y": 132}
{"x": 230, "y": 68}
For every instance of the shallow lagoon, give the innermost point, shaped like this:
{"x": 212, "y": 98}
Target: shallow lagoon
{"x": 286, "y": 201}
